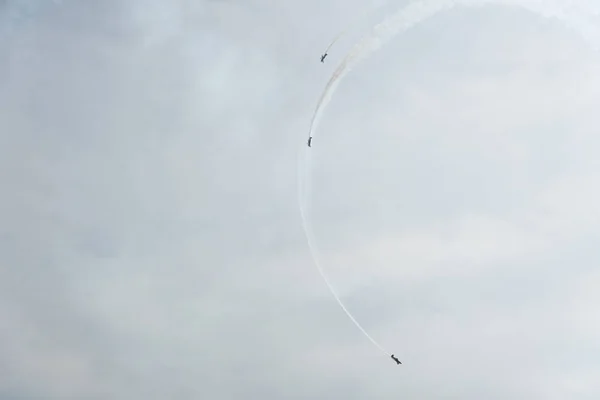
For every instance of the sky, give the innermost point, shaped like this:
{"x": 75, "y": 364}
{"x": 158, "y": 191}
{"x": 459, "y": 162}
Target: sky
{"x": 151, "y": 244}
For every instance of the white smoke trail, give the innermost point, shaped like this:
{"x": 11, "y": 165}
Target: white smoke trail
{"x": 312, "y": 243}
{"x": 335, "y": 39}
{"x": 350, "y": 27}
{"x": 571, "y": 14}
{"x": 380, "y": 33}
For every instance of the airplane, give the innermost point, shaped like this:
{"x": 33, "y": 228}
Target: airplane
{"x": 323, "y": 57}
{"x": 395, "y": 359}
{"x": 309, "y": 140}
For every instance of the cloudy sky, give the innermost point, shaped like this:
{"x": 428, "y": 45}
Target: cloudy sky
{"x": 151, "y": 245}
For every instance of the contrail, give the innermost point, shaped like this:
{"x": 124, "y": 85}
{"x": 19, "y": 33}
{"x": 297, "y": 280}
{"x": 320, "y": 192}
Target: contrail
{"x": 335, "y": 39}
{"x": 571, "y": 13}
{"x": 380, "y": 33}
{"x": 350, "y": 27}
{"x": 304, "y": 195}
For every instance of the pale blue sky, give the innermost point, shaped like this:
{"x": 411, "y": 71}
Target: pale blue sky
{"x": 151, "y": 245}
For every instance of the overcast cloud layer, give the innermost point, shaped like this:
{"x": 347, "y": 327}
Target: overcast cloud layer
{"x": 151, "y": 246}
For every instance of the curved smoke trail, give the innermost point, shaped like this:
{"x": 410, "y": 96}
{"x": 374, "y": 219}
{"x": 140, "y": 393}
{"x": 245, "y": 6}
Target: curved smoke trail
{"x": 304, "y": 193}
{"x": 335, "y": 39}
{"x": 349, "y": 27}
{"x": 571, "y": 14}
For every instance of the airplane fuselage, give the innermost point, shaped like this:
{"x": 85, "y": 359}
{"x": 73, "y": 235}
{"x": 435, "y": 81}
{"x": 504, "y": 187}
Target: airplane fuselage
{"x": 395, "y": 359}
